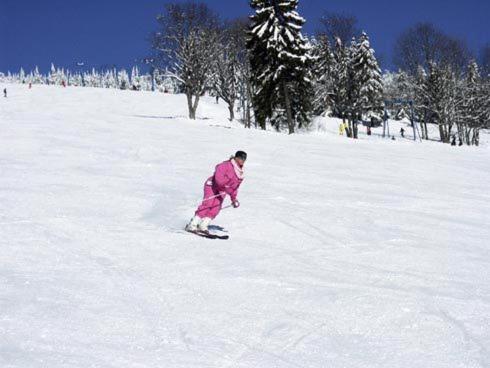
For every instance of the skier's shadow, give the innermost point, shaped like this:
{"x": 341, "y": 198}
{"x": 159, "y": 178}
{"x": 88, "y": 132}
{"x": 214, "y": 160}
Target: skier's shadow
{"x": 217, "y": 228}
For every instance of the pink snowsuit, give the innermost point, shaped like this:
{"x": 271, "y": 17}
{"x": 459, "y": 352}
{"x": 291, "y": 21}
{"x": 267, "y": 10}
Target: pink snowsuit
{"x": 224, "y": 181}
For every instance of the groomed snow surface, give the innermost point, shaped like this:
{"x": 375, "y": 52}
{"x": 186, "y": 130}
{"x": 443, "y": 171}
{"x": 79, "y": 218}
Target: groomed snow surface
{"x": 367, "y": 253}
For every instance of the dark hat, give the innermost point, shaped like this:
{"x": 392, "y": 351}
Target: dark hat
{"x": 241, "y": 155}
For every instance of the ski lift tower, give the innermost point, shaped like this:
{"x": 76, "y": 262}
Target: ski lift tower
{"x": 402, "y": 102}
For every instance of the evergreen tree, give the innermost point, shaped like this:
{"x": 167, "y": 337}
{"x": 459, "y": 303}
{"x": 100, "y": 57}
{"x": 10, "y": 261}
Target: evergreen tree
{"x": 123, "y": 79}
{"x": 280, "y": 62}
{"x": 473, "y": 106}
{"x": 37, "y": 77}
{"x": 367, "y": 81}
{"x": 340, "y": 81}
{"x": 22, "y": 76}
{"x": 441, "y": 97}
{"x": 136, "y": 82}
{"x": 322, "y": 72}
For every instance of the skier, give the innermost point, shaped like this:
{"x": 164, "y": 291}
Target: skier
{"x": 341, "y": 129}
{"x": 402, "y": 132}
{"x": 227, "y": 178}
{"x": 453, "y": 140}
{"x": 5, "y": 92}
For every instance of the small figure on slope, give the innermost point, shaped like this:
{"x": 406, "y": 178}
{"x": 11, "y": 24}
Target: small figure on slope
{"x": 341, "y": 129}
{"x": 226, "y": 180}
{"x": 5, "y": 92}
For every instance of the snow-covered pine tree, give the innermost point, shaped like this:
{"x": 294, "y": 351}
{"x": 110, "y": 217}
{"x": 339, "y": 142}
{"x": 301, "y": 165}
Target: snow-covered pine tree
{"x": 441, "y": 95}
{"x": 485, "y": 92}
{"x": 322, "y": 73}
{"x": 473, "y": 106}
{"x": 76, "y": 79}
{"x": 404, "y": 85}
{"x": 135, "y": 79}
{"x": 123, "y": 79}
{"x": 367, "y": 82}
{"x": 22, "y": 76}
{"x": 37, "y": 77}
{"x": 340, "y": 81}
{"x": 110, "y": 80}
{"x": 280, "y": 62}
{"x": 52, "y": 76}
{"x": 420, "y": 99}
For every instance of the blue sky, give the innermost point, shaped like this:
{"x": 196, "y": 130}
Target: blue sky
{"x": 114, "y": 32}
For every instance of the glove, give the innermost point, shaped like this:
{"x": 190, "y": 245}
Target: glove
{"x": 236, "y": 204}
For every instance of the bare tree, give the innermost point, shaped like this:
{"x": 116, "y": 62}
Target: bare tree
{"x": 238, "y": 31}
{"x": 339, "y": 26}
{"x": 226, "y": 76}
{"x": 186, "y": 45}
{"x": 423, "y": 43}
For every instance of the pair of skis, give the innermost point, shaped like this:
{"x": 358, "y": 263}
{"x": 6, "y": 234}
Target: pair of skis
{"x": 207, "y": 234}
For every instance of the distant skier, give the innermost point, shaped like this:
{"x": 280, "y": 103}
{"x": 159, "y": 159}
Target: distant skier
{"x": 453, "y": 140}
{"x": 402, "y": 132}
{"x": 341, "y": 129}
{"x": 5, "y": 92}
{"x": 30, "y": 85}
{"x": 226, "y": 180}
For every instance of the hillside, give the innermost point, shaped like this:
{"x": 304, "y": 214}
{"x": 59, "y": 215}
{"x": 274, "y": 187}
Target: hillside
{"x": 367, "y": 253}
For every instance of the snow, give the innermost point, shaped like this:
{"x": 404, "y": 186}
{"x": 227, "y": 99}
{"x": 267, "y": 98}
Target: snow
{"x": 367, "y": 253}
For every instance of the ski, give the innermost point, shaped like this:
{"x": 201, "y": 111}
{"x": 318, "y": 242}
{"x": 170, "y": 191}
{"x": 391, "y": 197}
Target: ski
{"x": 208, "y": 235}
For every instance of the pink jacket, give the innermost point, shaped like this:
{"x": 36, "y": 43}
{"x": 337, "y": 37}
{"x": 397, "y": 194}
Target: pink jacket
{"x": 227, "y": 178}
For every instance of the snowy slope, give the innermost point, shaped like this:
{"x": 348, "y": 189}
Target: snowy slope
{"x": 367, "y": 253}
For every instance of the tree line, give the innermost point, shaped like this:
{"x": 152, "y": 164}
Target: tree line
{"x": 269, "y": 70}
{"x": 109, "y": 78}
{"x": 265, "y": 68}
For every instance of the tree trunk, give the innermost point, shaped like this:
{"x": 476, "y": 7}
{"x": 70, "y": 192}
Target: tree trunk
{"x": 248, "y": 101}
{"x": 441, "y": 133}
{"x": 355, "y": 129}
{"x": 231, "y": 109}
{"x": 476, "y": 136}
{"x": 287, "y": 102}
{"x": 422, "y": 130}
{"x": 192, "y": 112}
{"x": 194, "y": 106}
{"x": 467, "y": 135}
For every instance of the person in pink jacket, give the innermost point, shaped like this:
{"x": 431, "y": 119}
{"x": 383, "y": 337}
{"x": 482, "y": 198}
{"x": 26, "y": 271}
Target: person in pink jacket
{"x": 226, "y": 180}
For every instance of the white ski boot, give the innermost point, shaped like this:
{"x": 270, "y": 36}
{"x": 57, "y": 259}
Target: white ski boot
{"x": 203, "y": 226}
{"x": 193, "y": 225}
